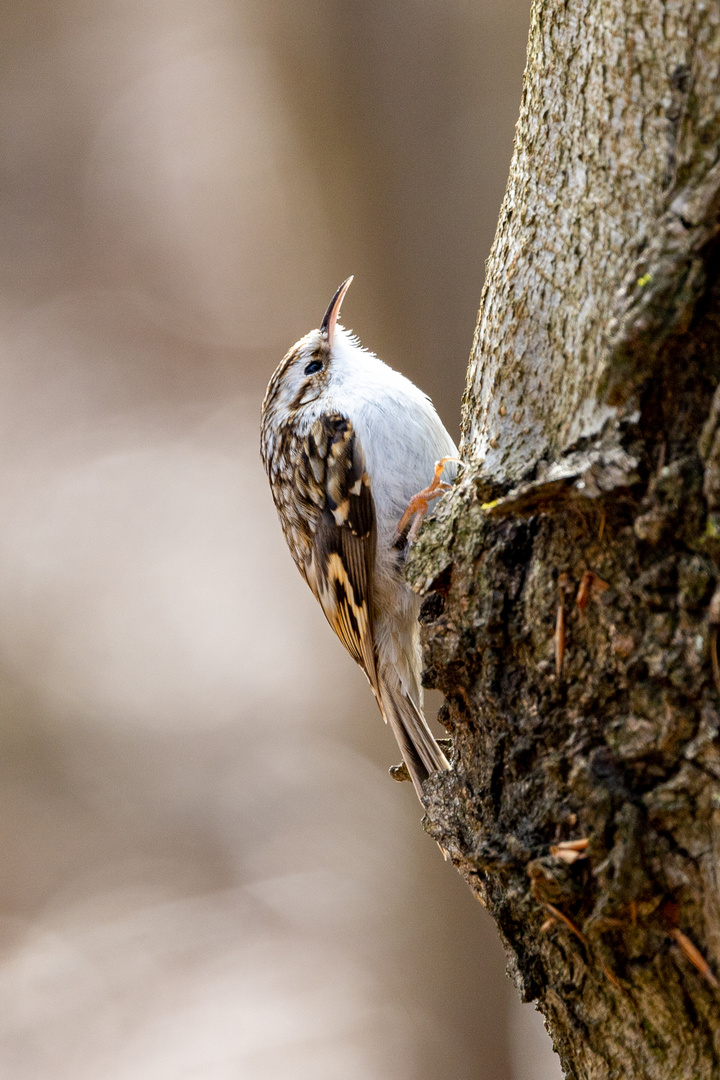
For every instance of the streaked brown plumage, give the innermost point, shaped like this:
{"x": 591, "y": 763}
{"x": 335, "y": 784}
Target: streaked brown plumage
{"x": 346, "y": 443}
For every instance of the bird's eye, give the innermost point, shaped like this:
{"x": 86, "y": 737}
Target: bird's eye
{"x": 313, "y": 366}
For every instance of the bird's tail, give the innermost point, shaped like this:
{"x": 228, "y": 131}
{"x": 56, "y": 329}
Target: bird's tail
{"x": 420, "y": 751}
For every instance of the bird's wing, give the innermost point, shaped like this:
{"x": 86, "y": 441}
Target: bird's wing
{"x": 342, "y": 556}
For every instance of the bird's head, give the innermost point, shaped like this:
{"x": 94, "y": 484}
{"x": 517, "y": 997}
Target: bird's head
{"x": 303, "y": 376}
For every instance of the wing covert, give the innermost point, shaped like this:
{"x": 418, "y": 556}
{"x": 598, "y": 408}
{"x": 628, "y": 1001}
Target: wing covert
{"x": 343, "y": 548}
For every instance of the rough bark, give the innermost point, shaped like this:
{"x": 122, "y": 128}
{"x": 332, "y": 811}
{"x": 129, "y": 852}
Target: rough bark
{"x": 568, "y": 580}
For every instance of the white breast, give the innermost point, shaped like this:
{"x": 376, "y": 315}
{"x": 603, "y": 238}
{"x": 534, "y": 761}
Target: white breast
{"x": 400, "y": 433}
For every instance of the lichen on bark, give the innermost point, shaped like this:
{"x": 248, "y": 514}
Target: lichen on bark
{"x": 568, "y": 579}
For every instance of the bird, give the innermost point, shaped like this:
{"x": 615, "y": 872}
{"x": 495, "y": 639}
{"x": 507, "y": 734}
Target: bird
{"x": 348, "y": 445}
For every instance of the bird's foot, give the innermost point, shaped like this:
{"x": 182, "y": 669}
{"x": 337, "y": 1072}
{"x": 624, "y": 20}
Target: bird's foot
{"x": 417, "y": 508}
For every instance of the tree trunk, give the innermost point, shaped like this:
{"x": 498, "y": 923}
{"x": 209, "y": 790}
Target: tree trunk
{"x": 568, "y": 579}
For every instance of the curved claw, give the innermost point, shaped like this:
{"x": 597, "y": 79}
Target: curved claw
{"x": 418, "y": 506}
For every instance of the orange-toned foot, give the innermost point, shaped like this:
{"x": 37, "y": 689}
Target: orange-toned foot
{"x": 417, "y": 508}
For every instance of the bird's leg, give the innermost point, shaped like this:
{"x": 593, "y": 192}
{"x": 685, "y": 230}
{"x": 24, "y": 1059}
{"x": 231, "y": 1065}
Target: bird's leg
{"x": 418, "y": 506}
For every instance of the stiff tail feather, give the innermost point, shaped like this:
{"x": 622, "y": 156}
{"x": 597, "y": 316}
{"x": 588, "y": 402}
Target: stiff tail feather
{"x": 420, "y": 751}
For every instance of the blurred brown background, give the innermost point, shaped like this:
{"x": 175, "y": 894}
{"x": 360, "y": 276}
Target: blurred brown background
{"x": 206, "y": 871}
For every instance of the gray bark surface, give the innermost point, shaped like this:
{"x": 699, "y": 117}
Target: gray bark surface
{"x": 569, "y": 611}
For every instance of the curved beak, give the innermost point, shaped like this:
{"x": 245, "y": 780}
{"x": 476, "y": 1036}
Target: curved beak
{"x": 327, "y": 326}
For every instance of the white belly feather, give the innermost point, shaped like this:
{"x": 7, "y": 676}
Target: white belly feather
{"x": 402, "y": 437}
